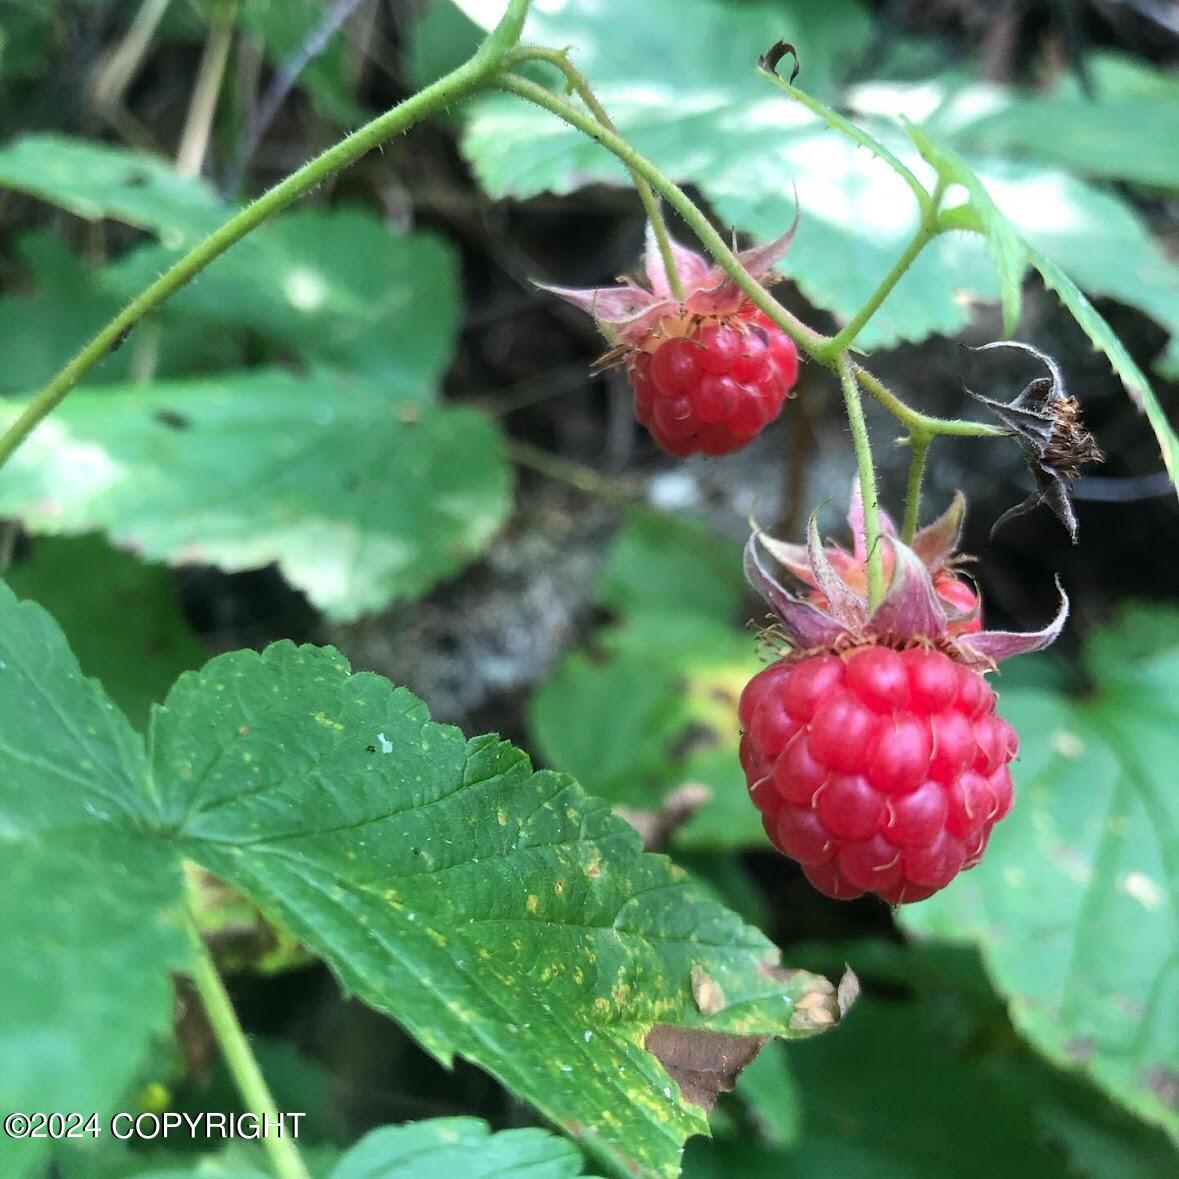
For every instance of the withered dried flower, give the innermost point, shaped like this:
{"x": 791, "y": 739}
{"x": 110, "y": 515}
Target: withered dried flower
{"x": 1047, "y": 420}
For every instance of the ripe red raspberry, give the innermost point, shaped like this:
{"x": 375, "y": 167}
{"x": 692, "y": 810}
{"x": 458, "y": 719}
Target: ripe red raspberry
{"x": 715, "y": 387}
{"x": 879, "y": 770}
{"x": 709, "y": 371}
{"x": 872, "y": 747}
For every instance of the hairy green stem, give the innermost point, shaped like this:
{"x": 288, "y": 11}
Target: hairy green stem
{"x": 916, "y": 422}
{"x": 868, "y": 492}
{"x": 805, "y": 337}
{"x": 927, "y": 229}
{"x": 284, "y": 1155}
{"x": 470, "y": 76}
{"x": 920, "y": 442}
{"x": 577, "y": 83}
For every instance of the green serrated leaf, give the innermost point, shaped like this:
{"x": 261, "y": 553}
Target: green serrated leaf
{"x": 121, "y": 616}
{"x": 358, "y": 503}
{"x": 1076, "y": 901}
{"x": 459, "y": 1146}
{"x": 1114, "y": 133}
{"x": 338, "y": 287}
{"x": 86, "y": 953}
{"x": 495, "y": 912}
{"x": 95, "y": 181}
{"x": 1104, "y": 339}
{"x": 69, "y": 303}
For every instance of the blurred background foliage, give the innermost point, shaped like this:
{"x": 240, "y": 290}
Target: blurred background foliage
{"x": 366, "y": 426}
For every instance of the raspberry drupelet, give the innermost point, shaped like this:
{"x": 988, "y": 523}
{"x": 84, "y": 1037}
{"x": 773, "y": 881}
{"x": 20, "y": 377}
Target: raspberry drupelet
{"x": 873, "y": 748}
{"x": 708, "y": 371}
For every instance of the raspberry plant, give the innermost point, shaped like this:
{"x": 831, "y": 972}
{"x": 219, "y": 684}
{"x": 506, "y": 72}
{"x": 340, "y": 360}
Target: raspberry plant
{"x": 499, "y": 913}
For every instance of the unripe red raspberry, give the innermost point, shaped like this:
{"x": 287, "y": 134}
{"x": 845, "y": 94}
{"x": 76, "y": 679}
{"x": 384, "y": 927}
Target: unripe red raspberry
{"x": 872, "y": 747}
{"x": 879, "y": 770}
{"x": 709, "y": 371}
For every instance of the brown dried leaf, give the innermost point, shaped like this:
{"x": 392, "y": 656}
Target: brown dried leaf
{"x": 704, "y": 1064}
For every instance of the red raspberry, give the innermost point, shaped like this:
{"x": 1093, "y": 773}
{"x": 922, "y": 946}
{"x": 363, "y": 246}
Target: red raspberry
{"x": 872, "y": 747}
{"x": 715, "y": 387}
{"x": 880, "y": 770}
{"x": 708, "y": 368}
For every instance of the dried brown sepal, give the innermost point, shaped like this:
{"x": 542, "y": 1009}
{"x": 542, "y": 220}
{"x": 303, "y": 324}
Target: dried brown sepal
{"x": 1046, "y": 419}
{"x": 704, "y": 1064}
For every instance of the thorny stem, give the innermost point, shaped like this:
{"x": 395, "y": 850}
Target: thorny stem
{"x": 239, "y": 1057}
{"x": 577, "y": 83}
{"x": 459, "y": 83}
{"x": 920, "y": 442}
{"x": 863, "y": 449}
{"x": 927, "y": 230}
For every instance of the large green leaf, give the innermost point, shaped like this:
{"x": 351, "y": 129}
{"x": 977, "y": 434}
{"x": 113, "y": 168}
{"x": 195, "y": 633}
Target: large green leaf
{"x": 121, "y": 616}
{"x": 359, "y": 503}
{"x": 458, "y": 1146}
{"x": 1116, "y": 133}
{"x": 96, "y": 181}
{"x": 495, "y": 912}
{"x": 335, "y": 286}
{"x": 1076, "y": 904}
{"x": 678, "y": 80}
{"x": 69, "y": 303}
{"x": 85, "y": 953}
{"x": 338, "y": 287}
